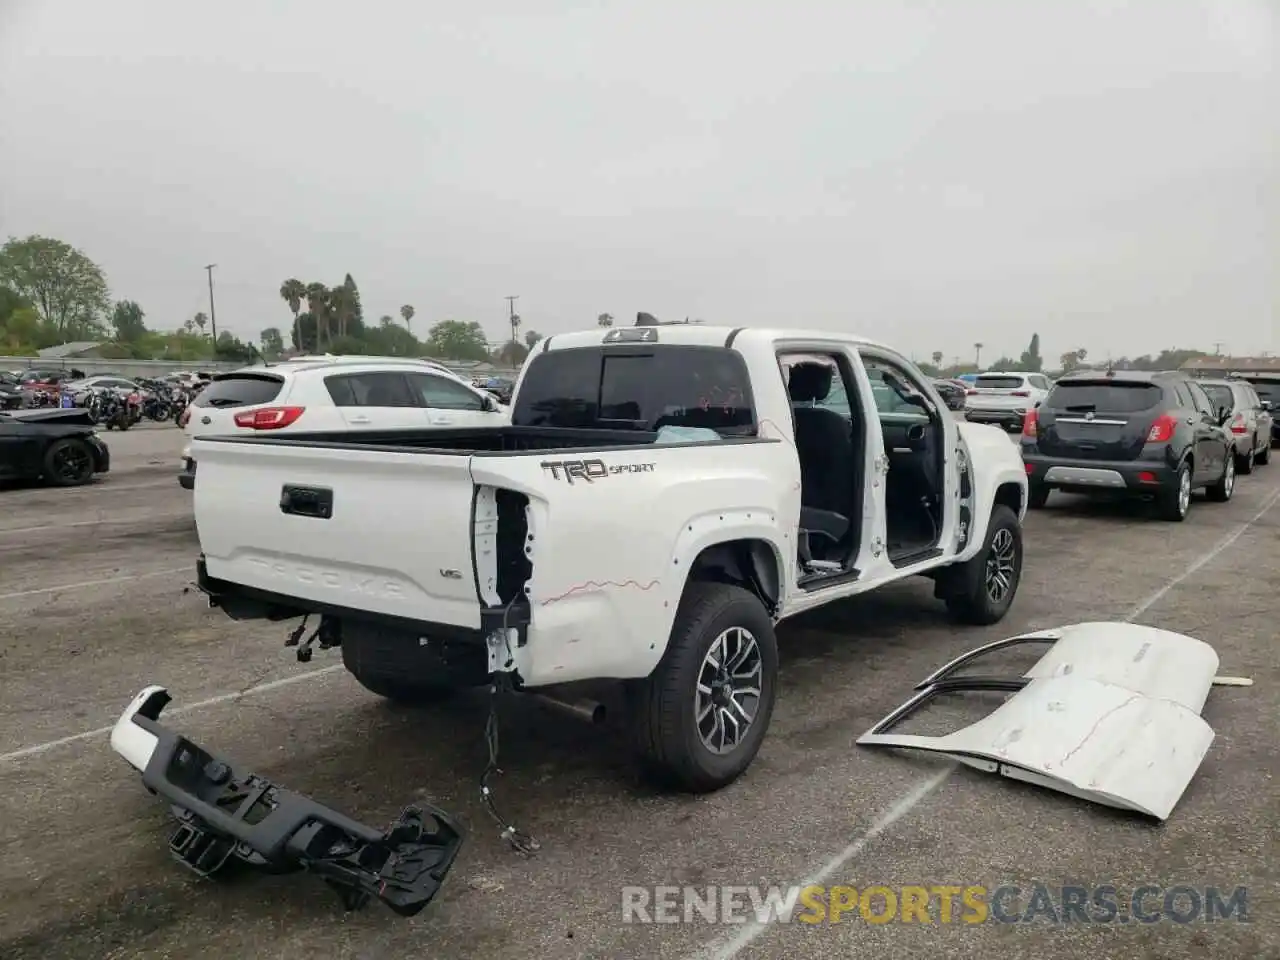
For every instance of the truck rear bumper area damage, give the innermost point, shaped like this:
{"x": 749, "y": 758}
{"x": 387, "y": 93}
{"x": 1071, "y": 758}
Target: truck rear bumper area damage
{"x": 249, "y": 603}
{"x": 227, "y": 816}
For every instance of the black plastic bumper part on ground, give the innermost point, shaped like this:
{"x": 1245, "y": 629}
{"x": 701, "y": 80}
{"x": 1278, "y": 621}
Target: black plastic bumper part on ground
{"x": 227, "y": 815}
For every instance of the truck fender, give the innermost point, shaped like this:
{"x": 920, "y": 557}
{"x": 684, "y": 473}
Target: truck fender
{"x": 993, "y": 477}
{"x": 739, "y": 546}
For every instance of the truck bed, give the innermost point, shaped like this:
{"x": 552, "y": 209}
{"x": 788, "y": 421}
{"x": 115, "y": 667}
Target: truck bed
{"x": 474, "y": 441}
{"x": 432, "y": 527}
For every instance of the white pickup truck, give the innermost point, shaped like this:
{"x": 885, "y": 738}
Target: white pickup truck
{"x": 662, "y": 498}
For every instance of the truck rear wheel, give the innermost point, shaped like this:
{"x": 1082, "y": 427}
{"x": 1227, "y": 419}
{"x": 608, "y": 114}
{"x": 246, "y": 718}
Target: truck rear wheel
{"x": 397, "y": 666}
{"x": 410, "y": 693}
{"x": 700, "y": 717}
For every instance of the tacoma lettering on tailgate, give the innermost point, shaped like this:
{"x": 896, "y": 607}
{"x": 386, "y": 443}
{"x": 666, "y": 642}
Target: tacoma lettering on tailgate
{"x": 369, "y": 585}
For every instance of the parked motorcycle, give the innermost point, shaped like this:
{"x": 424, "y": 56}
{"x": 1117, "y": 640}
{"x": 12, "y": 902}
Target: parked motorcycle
{"x": 109, "y": 409}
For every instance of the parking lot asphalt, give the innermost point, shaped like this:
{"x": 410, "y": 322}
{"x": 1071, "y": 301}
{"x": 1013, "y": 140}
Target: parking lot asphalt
{"x": 93, "y": 608}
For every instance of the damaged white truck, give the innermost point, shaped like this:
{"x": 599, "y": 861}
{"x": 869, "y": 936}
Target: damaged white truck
{"x": 662, "y": 498}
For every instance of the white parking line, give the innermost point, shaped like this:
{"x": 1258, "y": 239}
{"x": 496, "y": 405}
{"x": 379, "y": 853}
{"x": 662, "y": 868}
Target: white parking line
{"x": 95, "y": 583}
{"x": 68, "y": 526}
{"x": 185, "y": 708}
{"x": 727, "y": 949}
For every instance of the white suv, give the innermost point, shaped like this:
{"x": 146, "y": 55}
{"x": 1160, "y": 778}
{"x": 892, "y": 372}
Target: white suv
{"x": 336, "y": 393}
{"x": 1005, "y": 398}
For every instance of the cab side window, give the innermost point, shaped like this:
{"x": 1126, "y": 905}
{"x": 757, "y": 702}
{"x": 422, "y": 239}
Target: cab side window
{"x": 1200, "y": 398}
{"x": 891, "y": 386}
{"x": 442, "y": 394}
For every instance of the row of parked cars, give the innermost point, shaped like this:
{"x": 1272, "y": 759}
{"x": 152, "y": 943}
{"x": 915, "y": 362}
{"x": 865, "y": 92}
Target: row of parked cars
{"x": 1154, "y": 435}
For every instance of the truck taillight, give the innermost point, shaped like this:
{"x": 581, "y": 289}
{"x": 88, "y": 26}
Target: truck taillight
{"x": 1021, "y": 393}
{"x": 1162, "y": 430}
{"x": 268, "y": 418}
{"x": 1237, "y": 424}
{"x": 1030, "y": 424}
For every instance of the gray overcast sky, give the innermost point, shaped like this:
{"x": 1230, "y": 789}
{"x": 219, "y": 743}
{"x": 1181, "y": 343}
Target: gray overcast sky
{"x": 929, "y": 174}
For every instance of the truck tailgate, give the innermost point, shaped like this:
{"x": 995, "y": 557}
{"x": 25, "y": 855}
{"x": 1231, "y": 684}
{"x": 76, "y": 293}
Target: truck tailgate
{"x": 276, "y": 516}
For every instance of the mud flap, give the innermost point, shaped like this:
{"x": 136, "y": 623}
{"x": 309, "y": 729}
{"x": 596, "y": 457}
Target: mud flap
{"x": 227, "y": 817}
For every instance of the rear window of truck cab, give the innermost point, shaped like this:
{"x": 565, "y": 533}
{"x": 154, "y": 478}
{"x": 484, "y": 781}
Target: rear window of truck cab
{"x": 637, "y": 388}
{"x": 1105, "y": 396}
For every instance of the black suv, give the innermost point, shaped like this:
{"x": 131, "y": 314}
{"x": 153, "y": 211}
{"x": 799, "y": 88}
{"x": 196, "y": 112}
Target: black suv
{"x": 1154, "y": 435}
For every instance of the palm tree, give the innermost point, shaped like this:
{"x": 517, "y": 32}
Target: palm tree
{"x": 291, "y": 292}
{"x": 200, "y": 320}
{"x": 407, "y": 312}
{"x": 977, "y": 355}
{"x": 317, "y": 295}
{"x": 604, "y": 320}
{"x": 531, "y": 337}
{"x": 341, "y": 307}
{"x": 937, "y": 359}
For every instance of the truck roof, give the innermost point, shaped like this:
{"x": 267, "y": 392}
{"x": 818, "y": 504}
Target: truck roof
{"x": 699, "y": 335}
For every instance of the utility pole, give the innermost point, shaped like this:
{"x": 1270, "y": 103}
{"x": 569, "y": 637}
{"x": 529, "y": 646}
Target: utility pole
{"x": 515, "y": 318}
{"x": 213, "y": 316}
{"x": 1217, "y": 348}
{"x": 977, "y": 355}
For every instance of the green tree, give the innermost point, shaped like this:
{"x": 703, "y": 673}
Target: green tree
{"x": 230, "y": 347}
{"x": 318, "y": 307}
{"x": 20, "y": 330}
{"x": 407, "y": 312}
{"x": 531, "y": 337}
{"x": 127, "y": 321}
{"x": 511, "y": 354}
{"x": 272, "y": 342}
{"x": 11, "y": 301}
{"x": 342, "y": 309}
{"x": 292, "y": 292}
{"x": 456, "y": 340}
{"x": 937, "y": 359}
{"x": 1031, "y": 359}
{"x": 200, "y": 321}
{"x": 355, "y": 321}
{"x": 67, "y": 289}
{"x": 604, "y": 320}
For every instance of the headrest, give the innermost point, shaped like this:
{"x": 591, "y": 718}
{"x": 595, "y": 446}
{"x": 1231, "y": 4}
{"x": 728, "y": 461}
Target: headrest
{"x": 810, "y": 382}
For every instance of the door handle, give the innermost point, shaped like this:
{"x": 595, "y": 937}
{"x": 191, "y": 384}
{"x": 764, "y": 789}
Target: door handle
{"x": 443, "y": 421}
{"x": 357, "y": 419}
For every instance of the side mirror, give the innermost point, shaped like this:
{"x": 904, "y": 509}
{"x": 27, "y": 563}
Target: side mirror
{"x": 1264, "y": 405}
{"x": 490, "y": 405}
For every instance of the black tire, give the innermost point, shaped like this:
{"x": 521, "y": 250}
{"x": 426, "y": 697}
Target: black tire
{"x": 1221, "y": 491}
{"x": 1037, "y": 495}
{"x": 1244, "y": 464}
{"x": 68, "y": 463}
{"x": 664, "y": 707}
{"x": 411, "y": 694}
{"x": 1171, "y": 503}
{"x": 976, "y": 601}
{"x": 388, "y": 679}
